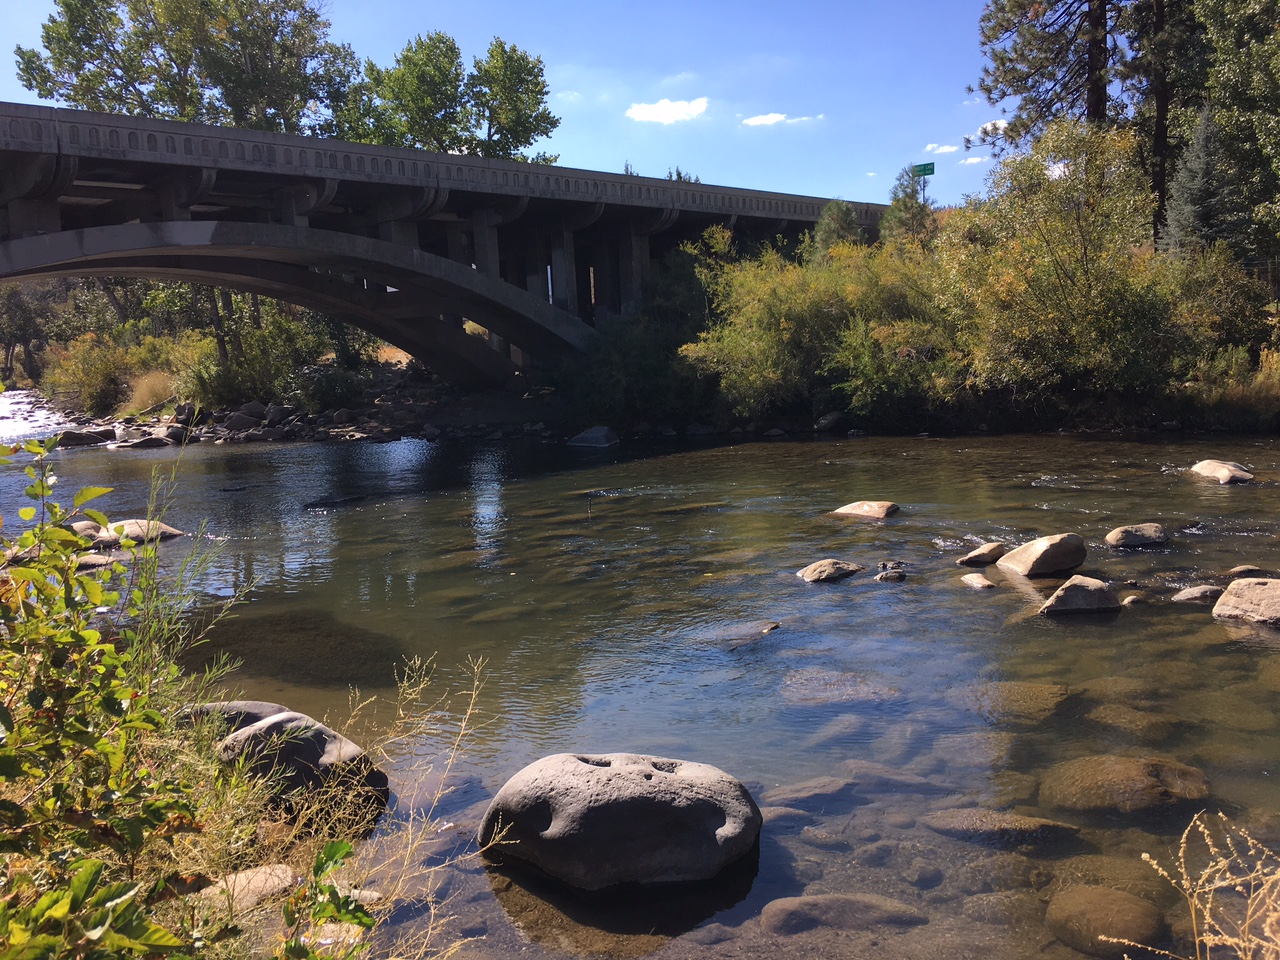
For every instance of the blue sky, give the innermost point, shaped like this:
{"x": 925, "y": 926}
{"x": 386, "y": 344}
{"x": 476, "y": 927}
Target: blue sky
{"x": 830, "y": 99}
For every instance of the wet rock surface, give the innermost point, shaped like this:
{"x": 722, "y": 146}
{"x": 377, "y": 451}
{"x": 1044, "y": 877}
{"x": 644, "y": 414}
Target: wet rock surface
{"x": 829, "y": 571}
{"x": 1253, "y": 599}
{"x": 1081, "y": 595}
{"x": 851, "y": 911}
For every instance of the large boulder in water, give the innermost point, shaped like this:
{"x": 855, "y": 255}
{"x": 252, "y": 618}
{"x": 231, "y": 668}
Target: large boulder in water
{"x": 1111, "y": 784}
{"x": 295, "y": 751}
{"x": 598, "y": 820}
{"x": 1089, "y": 919}
{"x": 1224, "y": 471}
{"x": 1255, "y": 599}
{"x": 1045, "y": 556}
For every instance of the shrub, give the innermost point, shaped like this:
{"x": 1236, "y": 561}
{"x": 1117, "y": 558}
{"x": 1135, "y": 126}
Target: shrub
{"x": 91, "y": 371}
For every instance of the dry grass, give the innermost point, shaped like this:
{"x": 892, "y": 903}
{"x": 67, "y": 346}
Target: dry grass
{"x": 148, "y": 390}
{"x": 402, "y": 863}
{"x": 1231, "y": 884}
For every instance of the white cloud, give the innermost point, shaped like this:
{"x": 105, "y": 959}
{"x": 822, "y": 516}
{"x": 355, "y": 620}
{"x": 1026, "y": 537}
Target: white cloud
{"x": 769, "y": 119}
{"x": 940, "y": 148}
{"x": 870, "y": 174}
{"x": 667, "y": 111}
{"x": 569, "y": 96}
{"x": 990, "y": 129}
{"x": 968, "y": 161}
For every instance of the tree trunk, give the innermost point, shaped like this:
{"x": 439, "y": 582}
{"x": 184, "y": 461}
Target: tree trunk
{"x": 233, "y": 328}
{"x": 1160, "y": 95}
{"x": 1096, "y": 62}
{"x": 219, "y": 332}
{"x": 122, "y": 314}
{"x": 255, "y": 311}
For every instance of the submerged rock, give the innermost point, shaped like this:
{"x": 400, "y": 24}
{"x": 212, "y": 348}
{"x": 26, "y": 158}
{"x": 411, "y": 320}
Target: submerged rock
{"x": 597, "y": 820}
{"x": 1224, "y": 471}
{"x": 871, "y": 509}
{"x": 976, "y": 581}
{"x": 1016, "y": 701}
{"x": 828, "y": 571}
{"x": 1088, "y": 918}
{"x": 1112, "y": 784}
{"x": 997, "y": 827}
{"x": 1080, "y": 595}
{"x": 1254, "y": 599}
{"x": 1205, "y": 593}
{"x": 837, "y": 911}
{"x": 1045, "y": 556}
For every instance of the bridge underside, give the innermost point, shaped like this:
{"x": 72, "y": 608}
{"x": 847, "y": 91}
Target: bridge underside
{"x": 408, "y": 297}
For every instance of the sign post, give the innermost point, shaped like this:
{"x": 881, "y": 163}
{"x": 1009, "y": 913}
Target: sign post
{"x": 921, "y": 171}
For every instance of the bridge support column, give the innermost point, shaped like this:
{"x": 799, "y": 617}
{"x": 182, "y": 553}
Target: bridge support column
{"x": 564, "y": 273}
{"x": 633, "y": 268}
{"x": 484, "y": 243}
{"x": 535, "y": 268}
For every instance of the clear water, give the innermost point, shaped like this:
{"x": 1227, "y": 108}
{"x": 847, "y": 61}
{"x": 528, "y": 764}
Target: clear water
{"x": 608, "y": 594}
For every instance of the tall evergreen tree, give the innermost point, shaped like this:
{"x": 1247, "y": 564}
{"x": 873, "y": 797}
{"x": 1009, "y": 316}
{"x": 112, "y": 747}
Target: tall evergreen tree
{"x": 1057, "y": 58}
{"x": 910, "y": 215}
{"x": 1208, "y": 198}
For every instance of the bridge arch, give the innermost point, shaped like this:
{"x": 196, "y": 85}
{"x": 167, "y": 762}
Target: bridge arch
{"x": 397, "y": 292}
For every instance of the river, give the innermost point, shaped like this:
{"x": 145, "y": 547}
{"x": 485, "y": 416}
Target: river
{"x": 608, "y": 594}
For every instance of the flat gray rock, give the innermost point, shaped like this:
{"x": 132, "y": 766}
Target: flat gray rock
{"x": 976, "y": 581}
{"x": 1254, "y": 599}
{"x": 597, "y": 820}
{"x": 837, "y": 911}
{"x": 1080, "y": 595}
{"x": 1114, "y": 784}
{"x": 829, "y": 571}
{"x": 1045, "y": 556}
{"x": 1138, "y": 535}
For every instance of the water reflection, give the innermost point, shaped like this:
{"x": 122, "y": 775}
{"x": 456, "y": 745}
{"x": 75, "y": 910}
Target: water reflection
{"x": 487, "y": 469}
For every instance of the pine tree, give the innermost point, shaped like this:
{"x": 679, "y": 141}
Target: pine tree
{"x": 910, "y": 215}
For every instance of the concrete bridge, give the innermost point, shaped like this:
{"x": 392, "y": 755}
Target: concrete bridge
{"x": 403, "y": 243}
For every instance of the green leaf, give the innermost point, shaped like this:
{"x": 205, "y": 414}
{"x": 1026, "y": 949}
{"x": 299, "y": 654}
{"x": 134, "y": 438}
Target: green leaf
{"x": 84, "y": 881}
{"x": 98, "y": 517}
{"x": 27, "y": 514}
{"x": 329, "y": 859}
{"x": 85, "y": 494}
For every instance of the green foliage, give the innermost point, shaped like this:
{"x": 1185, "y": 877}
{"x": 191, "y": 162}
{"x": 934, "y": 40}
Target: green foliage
{"x": 92, "y": 371}
{"x": 838, "y": 223}
{"x": 319, "y": 901}
{"x": 1047, "y": 278}
{"x": 427, "y": 99}
{"x": 77, "y": 789}
{"x": 910, "y": 216}
{"x": 508, "y": 92}
{"x": 1209, "y": 199}
{"x": 264, "y": 64}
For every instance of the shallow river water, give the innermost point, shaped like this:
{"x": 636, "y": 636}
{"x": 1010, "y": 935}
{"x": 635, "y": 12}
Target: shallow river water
{"x": 613, "y": 598}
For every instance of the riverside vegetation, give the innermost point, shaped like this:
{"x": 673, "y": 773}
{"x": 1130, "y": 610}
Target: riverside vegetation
{"x": 114, "y": 814}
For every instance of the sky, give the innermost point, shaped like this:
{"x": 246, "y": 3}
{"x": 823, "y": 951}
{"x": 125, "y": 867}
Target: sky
{"x": 828, "y": 99}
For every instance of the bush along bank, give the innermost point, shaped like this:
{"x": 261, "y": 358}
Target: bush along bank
{"x": 131, "y": 823}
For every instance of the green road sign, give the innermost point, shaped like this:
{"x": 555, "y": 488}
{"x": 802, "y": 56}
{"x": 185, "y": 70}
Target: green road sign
{"x": 922, "y": 170}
